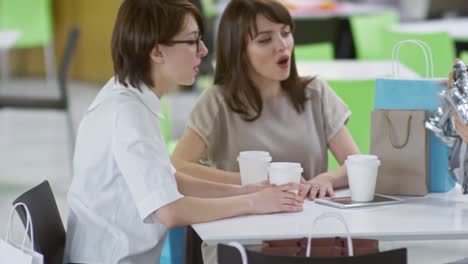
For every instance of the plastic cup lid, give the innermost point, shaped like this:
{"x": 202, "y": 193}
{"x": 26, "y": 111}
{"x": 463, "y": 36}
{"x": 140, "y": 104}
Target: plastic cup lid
{"x": 362, "y": 162}
{"x": 285, "y": 165}
{"x": 253, "y": 153}
{"x": 362, "y": 157}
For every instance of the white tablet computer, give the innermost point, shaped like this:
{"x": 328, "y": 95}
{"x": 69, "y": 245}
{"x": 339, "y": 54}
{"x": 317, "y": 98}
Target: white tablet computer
{"x": 346, "y": 202}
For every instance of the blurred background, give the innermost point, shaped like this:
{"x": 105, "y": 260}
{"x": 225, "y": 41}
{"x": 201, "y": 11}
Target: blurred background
{"x": 55, "y": 56}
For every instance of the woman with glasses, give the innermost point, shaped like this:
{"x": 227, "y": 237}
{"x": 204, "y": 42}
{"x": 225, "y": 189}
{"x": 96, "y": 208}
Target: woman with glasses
{"x": 260, "y": 103}
{"x": 125, "y": 193}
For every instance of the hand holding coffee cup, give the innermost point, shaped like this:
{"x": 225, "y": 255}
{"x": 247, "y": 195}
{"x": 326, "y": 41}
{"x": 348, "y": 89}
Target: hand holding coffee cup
{"x": 255, "y": 187}
{"x": 362, "y": 176}
{"x": 281, "y": 173}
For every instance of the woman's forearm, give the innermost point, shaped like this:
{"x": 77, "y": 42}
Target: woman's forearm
{"x": 189, "y": 151}
{"x": 206, "y": 173}
{"x": 192, "y": 186}
{"x": 338, "y": 177}
{"x": 189, "y": 210}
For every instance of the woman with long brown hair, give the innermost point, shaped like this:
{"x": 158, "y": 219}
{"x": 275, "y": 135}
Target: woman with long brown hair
{"x": 260, "y": 103}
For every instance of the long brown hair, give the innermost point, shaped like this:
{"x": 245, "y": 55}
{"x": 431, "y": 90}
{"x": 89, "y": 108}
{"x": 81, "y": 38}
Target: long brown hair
{"x": 140, "y": 25}
{"x": 238, "y": 23}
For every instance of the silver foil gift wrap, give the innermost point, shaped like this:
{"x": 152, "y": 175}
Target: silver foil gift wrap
{"x": 442, "y": 123}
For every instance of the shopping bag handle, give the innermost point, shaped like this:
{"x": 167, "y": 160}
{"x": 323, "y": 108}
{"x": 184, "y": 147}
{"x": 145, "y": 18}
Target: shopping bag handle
{"x": 241, "y": 250}
{"x": 29, "y": 226}
{"x": 425, "y": 49}
{"x": 339, "y": 218}
{"x": 389, "y": 132}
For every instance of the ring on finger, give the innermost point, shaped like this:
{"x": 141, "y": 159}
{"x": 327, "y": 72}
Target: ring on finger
{"x": 316, "y": 186}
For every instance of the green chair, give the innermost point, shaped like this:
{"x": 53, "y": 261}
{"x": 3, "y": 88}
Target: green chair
{"x": 33, "y": 18}
{"x": 442, "y": 46}
{"x": 308, "y": 52}
{"x": 464, "y": 57}
{"x": 172, "y": 252}
{"x": 367, "y": 33}
{"x": 166, "y": 127}
{"x": 208, "y": 8}
{"x": 359, "y": 96}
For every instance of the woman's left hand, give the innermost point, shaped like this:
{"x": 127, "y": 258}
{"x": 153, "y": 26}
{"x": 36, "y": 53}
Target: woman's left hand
{"x": 320, "y": 186}
{"x": 304, "y": 188}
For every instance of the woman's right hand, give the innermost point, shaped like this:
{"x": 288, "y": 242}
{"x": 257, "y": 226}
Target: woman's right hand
{"x": 276, "y": 199}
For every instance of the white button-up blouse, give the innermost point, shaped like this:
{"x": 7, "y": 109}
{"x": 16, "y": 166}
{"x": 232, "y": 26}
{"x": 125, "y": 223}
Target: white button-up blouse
{"x": 122, "y": 174}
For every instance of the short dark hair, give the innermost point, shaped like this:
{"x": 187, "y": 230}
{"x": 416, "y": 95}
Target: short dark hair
{"x": 140, "y": 25}
{"x": 238, "y": 23}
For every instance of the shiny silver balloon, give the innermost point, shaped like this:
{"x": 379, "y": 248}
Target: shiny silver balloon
{"x": 441, "y": 122}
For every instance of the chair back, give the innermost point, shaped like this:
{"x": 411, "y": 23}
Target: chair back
{"x": 64, "y": 69}
{"x": 33, "y": 18}
{"x": 231, "y": 255}
{"x": 60, "y": 103}
{"x": 442, "y": 46}
{"x": 49, "y": 233}
{"x": 367, "y": 31}
{"x": 310, "y": 52}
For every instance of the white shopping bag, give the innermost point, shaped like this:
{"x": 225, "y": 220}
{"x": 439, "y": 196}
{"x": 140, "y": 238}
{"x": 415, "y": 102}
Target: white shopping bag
{"x": 11, "y": 253}
{"x": 326, "y": 215}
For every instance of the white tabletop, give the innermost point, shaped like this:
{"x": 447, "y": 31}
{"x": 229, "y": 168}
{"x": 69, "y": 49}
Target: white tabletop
{"x": 433, "y": 217}
{"x": 456, "y": 27}
{"x": 351, "y": 70}
{"x": 343, "y": 10}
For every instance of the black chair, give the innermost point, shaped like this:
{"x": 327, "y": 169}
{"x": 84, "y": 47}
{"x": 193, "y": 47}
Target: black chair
{"x": 60, "y": 103}
{"x": 49, "y": 233}
{"x": 193, "y": 242}
{"x": 231, "y": 255}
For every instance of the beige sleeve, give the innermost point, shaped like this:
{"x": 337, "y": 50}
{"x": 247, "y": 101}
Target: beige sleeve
{"x": 203, "y": 119}
{"x": 335, "y": 111}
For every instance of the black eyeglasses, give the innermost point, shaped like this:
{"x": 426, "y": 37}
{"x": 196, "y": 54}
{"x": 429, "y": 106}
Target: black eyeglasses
{"x": 190, "y": 42}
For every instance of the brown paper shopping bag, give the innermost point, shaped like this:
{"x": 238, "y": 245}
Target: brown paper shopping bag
{"x": 400, "y": 140}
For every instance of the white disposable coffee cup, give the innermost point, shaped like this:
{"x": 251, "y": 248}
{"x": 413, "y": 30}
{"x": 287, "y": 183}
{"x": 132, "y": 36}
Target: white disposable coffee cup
{"x": 362, "y": 157}
{"x": 285, "y": 172}
{"x": 253, "y": 166}
{"x": 362, "y": 176}
{"x": 254, "y": 154}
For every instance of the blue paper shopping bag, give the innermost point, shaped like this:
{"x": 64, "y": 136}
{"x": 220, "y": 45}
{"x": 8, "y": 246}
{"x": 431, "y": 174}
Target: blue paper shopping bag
{"x": 394, "y": 93}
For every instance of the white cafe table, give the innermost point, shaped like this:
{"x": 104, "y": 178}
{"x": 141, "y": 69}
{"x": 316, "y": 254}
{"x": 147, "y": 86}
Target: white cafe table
{"x": 456, "y": 27}
{"x": 342, "y": 10}
{"x": 433, "y": 217}
{"x": 351, "y": 69}
{"x": 434, "y": 228}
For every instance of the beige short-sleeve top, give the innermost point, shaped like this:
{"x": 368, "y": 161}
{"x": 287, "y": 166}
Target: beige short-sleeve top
{"x": 280, "y": 130}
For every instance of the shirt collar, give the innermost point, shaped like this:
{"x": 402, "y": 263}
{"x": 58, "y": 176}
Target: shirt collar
{"x": 149, "y": 99}
{"x": 146, "y": 95}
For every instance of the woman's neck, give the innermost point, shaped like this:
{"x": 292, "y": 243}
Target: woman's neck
{"x": 268, "y": 88}
{"x": 160, "y": 86}
{"x": 158, "y": 90}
